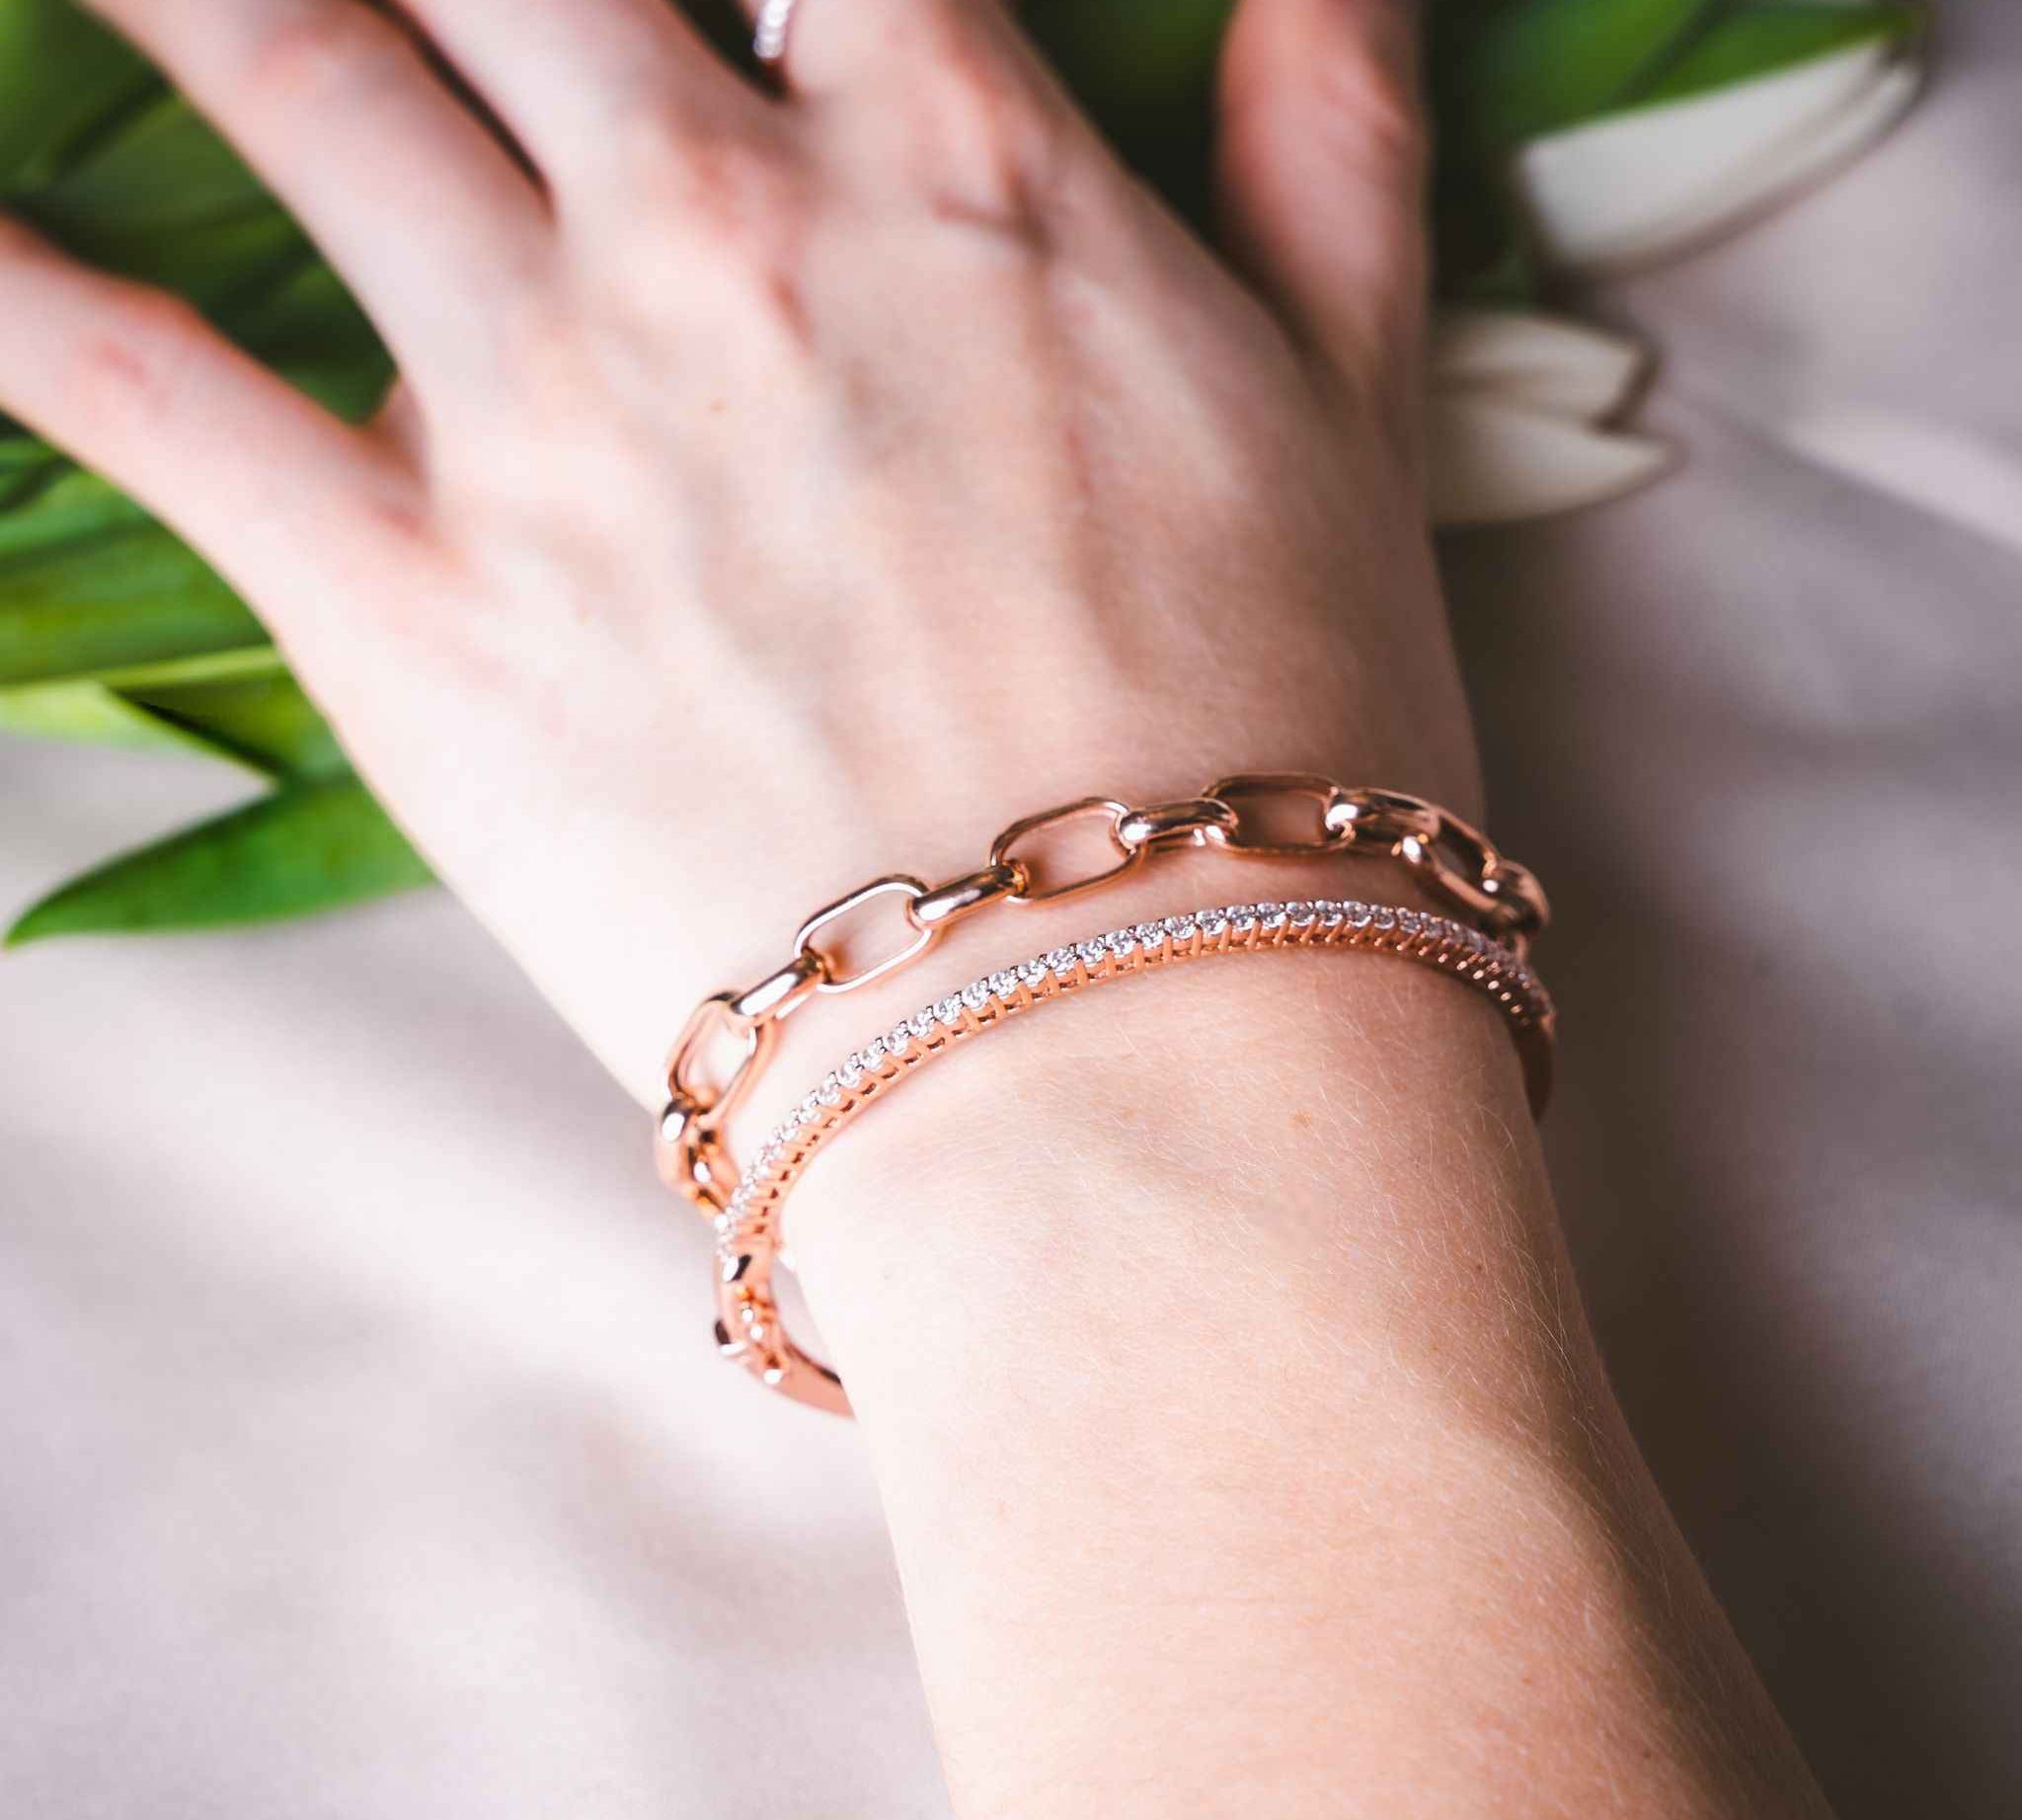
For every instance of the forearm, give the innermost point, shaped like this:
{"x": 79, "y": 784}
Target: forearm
{"x": 1240, "y": 1432}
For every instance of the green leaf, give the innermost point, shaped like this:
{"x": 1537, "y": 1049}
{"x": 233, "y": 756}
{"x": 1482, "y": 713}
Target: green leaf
{"x": 20, "y": 453}
{"x": 310, "y": 329}
{"x": 27, "y": 465}
{"x": 1121, "y": 52}
{"x": 241, "y": 706}
{"x": 120, "y": 594}
{"x": 307, "y": 847}
{"x": 1528, "y": 67}
{"x": 167, "y": 202}
{"x": 165, "y": 165}
{"x": 89, "y": 582}
{"x": 265, "y": 721}
{"x": 66, "y": 505}
{"x": 210, "y": 666}
{"x": 91, "y": 714}
{"x": 1760, "y": 40}
{"x": 63, "y": 77}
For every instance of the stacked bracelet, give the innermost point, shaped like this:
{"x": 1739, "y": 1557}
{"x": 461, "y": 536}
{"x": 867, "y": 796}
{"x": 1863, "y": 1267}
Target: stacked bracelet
{"x": 1486, "y": 953}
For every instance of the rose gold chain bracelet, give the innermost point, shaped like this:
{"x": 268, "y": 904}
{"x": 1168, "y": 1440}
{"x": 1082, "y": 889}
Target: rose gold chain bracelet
{"x": 749, "y": 1234}
{"x": 1453, "y": 860}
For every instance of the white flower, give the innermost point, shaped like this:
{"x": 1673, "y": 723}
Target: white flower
{"x": 1517, "y": 414}
{"x": 1637, "y": 187}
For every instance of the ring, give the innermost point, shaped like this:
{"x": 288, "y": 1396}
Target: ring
{"x": 768, "y": 36}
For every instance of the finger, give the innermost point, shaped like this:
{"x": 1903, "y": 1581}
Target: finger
{"x": 569, "y": 77}
{"x": 950, "y": 99}
{"x": 827, "y": 46}
{"x": 411, "y": 197}
{"x": 134, "y": 384}
{"x": 1321, "y": 162}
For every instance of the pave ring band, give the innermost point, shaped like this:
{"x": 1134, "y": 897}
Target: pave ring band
{"x": 768, "y": 31}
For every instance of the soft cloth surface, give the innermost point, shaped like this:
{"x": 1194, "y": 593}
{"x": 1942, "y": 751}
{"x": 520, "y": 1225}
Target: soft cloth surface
{"x": 365, "y": 1454}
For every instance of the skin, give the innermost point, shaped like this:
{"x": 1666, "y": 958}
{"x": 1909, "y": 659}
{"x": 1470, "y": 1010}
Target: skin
{"x": 784, "y": 489}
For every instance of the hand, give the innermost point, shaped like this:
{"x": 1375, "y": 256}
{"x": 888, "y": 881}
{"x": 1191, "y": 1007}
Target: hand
{"x": 785, "y": 490}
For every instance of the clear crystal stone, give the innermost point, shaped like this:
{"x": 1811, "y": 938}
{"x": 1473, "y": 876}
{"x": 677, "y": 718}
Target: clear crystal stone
{"x": 1299, "y": 915}
{"x": 898, "y": 1039}
{"x": 1148, "y": 935}
{"x": 1384, "y": 918}
{"x": 1179, "y": 928}
{"x": 873, "y": 1052}
{"x": 1091, "y": 952}
{"x": 1121, "y": 941}
{"x": 975, "y": 994}
{"x": 948, "y": 1011}
{"x": 830, "y": 1089}
{"x": 1242, "y": 917}
{"x": 1407, "y": 919}
{"x": 1213, "y": 921}
{"x": 809, "y": 1110}
{"x": 1329, "y": 913}
{"x": 1358, "y": 915}
{"x": 1271, "y": 916}
{"x": 1061, "y": 961}
{"x": 1004, "y": 985}
{"x": 1032, "y": 972}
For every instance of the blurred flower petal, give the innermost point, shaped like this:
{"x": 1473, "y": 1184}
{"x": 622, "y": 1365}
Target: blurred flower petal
{"x": 1562, "y": 369}
{"x": 1847, "y": 135}
{"x": 1640, "y": 186}
{"x": 1494, "y": 462}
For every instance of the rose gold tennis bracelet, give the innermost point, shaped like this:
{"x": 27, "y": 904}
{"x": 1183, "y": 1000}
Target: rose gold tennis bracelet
{"x": 1503, "y": 901}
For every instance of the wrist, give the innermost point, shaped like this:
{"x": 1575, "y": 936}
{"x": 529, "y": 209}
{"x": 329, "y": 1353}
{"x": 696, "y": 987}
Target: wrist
{"x": 1101, "y": 1133}
{"x": 1270, "y": 816}
{"x": 814, "y": 1040}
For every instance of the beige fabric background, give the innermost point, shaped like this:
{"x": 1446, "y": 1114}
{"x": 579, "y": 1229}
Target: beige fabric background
{"x": 361, "y": 1452}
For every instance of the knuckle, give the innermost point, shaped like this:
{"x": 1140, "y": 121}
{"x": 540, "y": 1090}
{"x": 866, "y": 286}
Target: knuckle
{"x": 309, "y": 49}
{"x": 127, "y": 368}
{"x": 723, "y": 223}
{"x": 1000, "y": 163}
{"x": 984, "y": 136}
{"x": 720, "y": 189}
{"x": 1371, "y": 115}
{"x": 1354, "y": 112}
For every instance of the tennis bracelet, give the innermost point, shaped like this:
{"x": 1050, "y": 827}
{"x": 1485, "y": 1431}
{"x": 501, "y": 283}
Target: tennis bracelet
{"x": 1501, "y": 900}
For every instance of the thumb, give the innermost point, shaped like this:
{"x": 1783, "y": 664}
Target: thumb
{"x": 1321, "y": 166}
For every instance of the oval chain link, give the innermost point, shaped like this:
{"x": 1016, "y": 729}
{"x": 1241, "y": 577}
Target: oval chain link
{"x": 1455, "y": 862}
{"x": 1083, "y": 809}
{"x": 1283, "y": 786}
